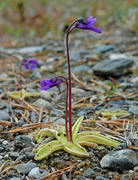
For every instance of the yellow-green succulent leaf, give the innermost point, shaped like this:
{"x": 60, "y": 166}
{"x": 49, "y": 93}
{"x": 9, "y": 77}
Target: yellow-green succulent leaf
{"x": 75, "y": 149}
{"x": 47, "y": 149}
{"x": 112, "y": 114}
{"x": 40, "y": 135}
{"x": 84, "y": 143}
{"x": 98, "y": 139}
{"x": 76, "y": 127}
{"x": 48, "y": 132}
{"x": 22, "y": 94}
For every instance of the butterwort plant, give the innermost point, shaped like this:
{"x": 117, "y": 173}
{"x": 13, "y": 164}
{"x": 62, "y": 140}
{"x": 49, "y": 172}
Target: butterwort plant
{"x": 81, "y": 23}
{"x": 29, "y": 64}
{"x": 73, "y": 141}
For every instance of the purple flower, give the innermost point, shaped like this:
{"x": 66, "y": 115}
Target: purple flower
{"x": 30, "y": 64}
{"x": 49, "y": 83}
{"x": 87, "y": 24}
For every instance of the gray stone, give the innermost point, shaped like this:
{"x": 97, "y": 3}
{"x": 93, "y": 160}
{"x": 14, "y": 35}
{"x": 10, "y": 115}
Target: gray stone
{"x": 30, "y": 155}
{"x": 101, "y": 178}
{"x": 77, "y": 92}
{"x": 134, "y": 109}
{"x": 46, "y": 95}
{"x": 44, "y": 104}
{"x": 115, "y": 67}
{"x": 60, "y": 121}
{"x": 14, "y": 178}
{"x": 4, "y": 116}
{"x": 88, "y": 172}
{"x": 135, "y": 81}
{"x": 24, "y": 50}
{"x": 57, "y": 112}
{"x": 21, "y": 158}
{"x": 64, "y": 177}
{"x": 120, "y": 160}
{"x": 34, "y": 173}
{"x": 3, "y": 75}
{"x": 60, "y": 49}
{"x": 136, "y": 169}
{"x": 33, "y": 117}
{"x": 80, "y": 69}
{"x": 103, "y": 48}
{"x": 23, "y": 141}
{"x": 52, "y": 59}
{"x": 5, "y": 142}
{"x": 75, "y": 56}
{"x": 36, "y": 75}
{"x": 14, "y": 155}
{"x": 25, "y": 168}
{"x": 117, "y": 56}
{"x": 118, "y": 103}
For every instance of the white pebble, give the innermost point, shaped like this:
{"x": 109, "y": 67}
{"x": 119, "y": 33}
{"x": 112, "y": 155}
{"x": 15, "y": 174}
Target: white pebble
{"x": 34, "y": 173}
{"x": 5, "y": 142}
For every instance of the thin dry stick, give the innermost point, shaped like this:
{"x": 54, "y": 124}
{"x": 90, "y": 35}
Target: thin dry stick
{"x": 30, "y": 126}
{"x": 33, "y": 82}
{"x": 53, "y": 173}
{"x": 3, "y": 170}
{"x": 30, "y": 106}
{"x": 6, "y": 123}
{"x": 82, "y": 99}
{"x": 40, "y": 115}
{"x": 92, "y": 88}
{"x": 26, "y": 119}
{"x": 101, "y": 84}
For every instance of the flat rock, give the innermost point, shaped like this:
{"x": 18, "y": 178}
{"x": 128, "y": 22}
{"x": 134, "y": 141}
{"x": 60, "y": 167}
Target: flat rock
{"x": 24, "y": 50}
{"x": 135, "y": 82}
{"x": 14, "y": 178}
{"x": 25, "y": 168}
{"x": 4, "y": 116}
{"x": 34, "y": 173}
{"x": 78, "y": 92}
{"x": 118, "y": 56}
{"x": 115, "y": 67}
{"x": 101, "y": 178}
{"x": 120, "y": 160}
{"x": 43, "y": 104}
{"x": 88, "y": 172}
{"x": 80, "y": 69}
{"x": 134, "y": 109}
{"x": 103, "y": 48}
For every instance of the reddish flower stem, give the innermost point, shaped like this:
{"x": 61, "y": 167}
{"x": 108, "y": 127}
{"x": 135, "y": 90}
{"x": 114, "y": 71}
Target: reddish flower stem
{"x": 69, "y": 80}
{"x": 66, "y": 107}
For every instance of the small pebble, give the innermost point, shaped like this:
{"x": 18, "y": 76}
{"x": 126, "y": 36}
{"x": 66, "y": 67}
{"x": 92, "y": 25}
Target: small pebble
{"x": 136, "y": 168}
{"x": 34, "y": 173}
{"x": 5, "y": 142}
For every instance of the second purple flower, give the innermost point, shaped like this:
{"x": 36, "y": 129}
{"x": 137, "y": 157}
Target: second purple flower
{"x": 49, "y": 83}
{"x": 30, "y": 64}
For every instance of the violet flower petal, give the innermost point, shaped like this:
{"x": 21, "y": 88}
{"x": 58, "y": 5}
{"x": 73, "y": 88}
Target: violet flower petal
{"x": 87, "y": 24}
{"x": 30, "y": 64}
{"x": 49, "y": 83}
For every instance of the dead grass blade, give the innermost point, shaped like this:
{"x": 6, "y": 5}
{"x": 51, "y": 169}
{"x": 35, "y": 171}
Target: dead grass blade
{"x": 92, "y": 88}
{"x": 3, "y": 169}
{"x": 30, "y": 126}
